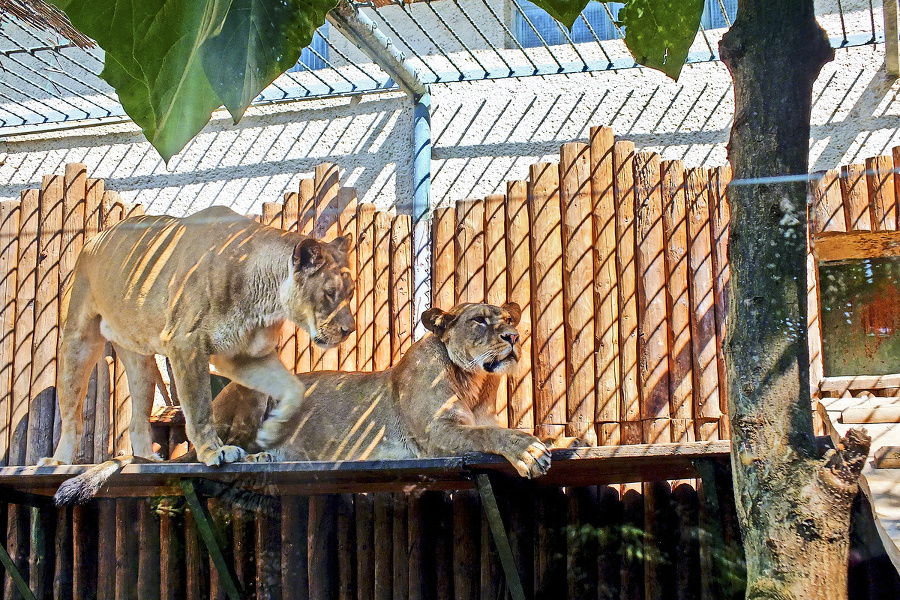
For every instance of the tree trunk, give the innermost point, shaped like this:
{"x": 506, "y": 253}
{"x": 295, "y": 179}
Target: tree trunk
{"x": 794, "y": 506}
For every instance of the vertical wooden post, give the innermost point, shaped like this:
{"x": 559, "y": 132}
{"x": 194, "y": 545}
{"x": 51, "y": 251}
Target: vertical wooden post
{"x": 290, "y": 216}
{"x": 703, "y": 311}
{"x": 46, "y": 321}
{"x": 93, "y": 204}
{"x": 466, "y": 544}
{"x": 268, "y": 557}
{"x": 654, "y": 364}
{"x": 365, "y": 284}
{"x": 365, "y": 547}
{"x": 401, "y": 286}
{"x": 518, "y": 290}
{"x": 469, "y": 250}
{"x": 548, "y": 337}
{"x": 327, "y": 187}
{"x": 9, "y": 251}
{"x": 62, "y": 571}
{"x": 828, "y": 207}
{"x": 675, "y": 229}
{"x": 383, "y": 557}
{"x": 400, "y": 547}
{"x": 606, "y": 288}
{"x": 626, "y": 269}
{"x": 294, "y": 552}
{"x": 106, "y": 558}
{"x": 347, "y": 351}
{"x": 346, "y": 547}
{"x": 148, "y": 551}
{"x": 323, "y": 569}
{"x": 578, "y": 293}
{"x": 306, "y": 221}
{"x": 495, "y": 278}
{"x": 444, "y": 258}
{"x": 721, "y": 217}
{"x": 127, "y": 545}
{"x": 856, "y": 197}
{"x": 882, "y": 195}
{"x": 85, "y": 530}
{"x": 382, "y": 318}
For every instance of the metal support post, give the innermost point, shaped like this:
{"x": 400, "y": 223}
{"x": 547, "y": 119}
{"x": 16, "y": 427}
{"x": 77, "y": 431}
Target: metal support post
{"x": 498, "y": 532}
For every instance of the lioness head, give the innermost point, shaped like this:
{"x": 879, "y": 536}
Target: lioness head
{"x": 478, "y": 337}
{"x": 321, "y": 289}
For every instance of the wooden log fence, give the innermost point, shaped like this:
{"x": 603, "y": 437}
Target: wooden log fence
{"x": 619, "y": 261}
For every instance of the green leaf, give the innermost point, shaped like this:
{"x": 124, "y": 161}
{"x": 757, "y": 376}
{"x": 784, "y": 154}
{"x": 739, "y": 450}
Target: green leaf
{"x": 260, "y": 40}
{"x": 659, "y": 33}
{"x": 154, "y": 61}
{"x": 564, "y": 11}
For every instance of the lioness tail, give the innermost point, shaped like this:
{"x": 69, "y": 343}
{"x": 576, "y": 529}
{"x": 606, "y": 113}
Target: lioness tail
{"x": 81, "y": 488}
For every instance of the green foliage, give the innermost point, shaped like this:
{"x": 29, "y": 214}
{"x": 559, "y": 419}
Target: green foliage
{"x": 173, "y": 62}
{"x": 659, "y": 33}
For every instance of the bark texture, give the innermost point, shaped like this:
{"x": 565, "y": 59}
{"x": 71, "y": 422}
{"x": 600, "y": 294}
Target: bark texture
{"x": 794, "y": 506}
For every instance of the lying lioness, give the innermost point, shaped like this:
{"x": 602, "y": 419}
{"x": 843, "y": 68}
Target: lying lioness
{"x": 214, "y": 287}
{"x": 437, "y": 400}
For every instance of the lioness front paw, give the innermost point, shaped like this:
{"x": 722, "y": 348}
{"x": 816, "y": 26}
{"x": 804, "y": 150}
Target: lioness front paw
{"x": 528, "y": 455}
{"x": 222, "y": 456}
{"x": 262, "y": 457}
{"x": 49, "y": 461}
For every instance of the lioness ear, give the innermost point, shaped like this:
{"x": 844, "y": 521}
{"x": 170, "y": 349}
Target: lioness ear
{"x": 514, "y": 310}
{"x": 342, "y": 243}
{"x": 435, "y": 320}
{"x": 308, "y": 255}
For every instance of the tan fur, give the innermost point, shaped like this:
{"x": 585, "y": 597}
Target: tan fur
{"x": 211, "y": 288}
{"x": 438, "y": 400}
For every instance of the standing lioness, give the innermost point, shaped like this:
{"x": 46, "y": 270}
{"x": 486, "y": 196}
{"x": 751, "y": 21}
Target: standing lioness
{"x": 214, "y": 287}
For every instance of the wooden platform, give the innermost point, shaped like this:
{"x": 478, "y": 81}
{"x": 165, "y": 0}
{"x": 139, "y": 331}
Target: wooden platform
{"x": 582, "y": 466}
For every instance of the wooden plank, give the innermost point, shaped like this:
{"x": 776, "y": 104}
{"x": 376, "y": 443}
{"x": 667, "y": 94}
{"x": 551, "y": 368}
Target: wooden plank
{"x": 659, "y": 522}
{"x": 323, "y": 571}
{"x": 365, "y": 546}
{"x": 887, "y": 457}
{"x": 346, "y": 548}
{"x": 103, "y": 431}
{"x": 290, "y": 337}
{"x": 871, "y": 414}
{"x": 856, "y": 197}
{"x": 365, "y": 285}
{"x": 443, "y": 552}
{"x": 381, "y": 353}
{"x": 840, "y": 385}
{"x": 171, "y": 538}
{"x": 273, "y": 215}
{"x": 106, "y": 557}
{"x": 855, "y": 245}
{"x": 127, "y": 545}
{"x": 444, "y": 258}
{"x": 626, "y": 269}
{"x": 548, "y": 335}
{"x": 85, "y": 527}
{"x": 578, "y": 288}
{"x": 93, "y": 206}
{"x": 609, "y": 553}
{"x": 294, "y": 552}
{"x": 469, "y": 251}
{"x": 9, "y": 253}
{"x": 327, "y": 225}
{"x": 64, "y": 550}
{"x": 382, "y": 554}
{"x": 721, "y": 217}
{"x": 549, "y": 542}
{"x": 654, "y": 323}
{"x": 242, "y": 534}
{"x": 582, "y": 546}
{"x": 306, "y": 220}
{"x": 675, "y": 228}
{"x": 148, "y": 551}
{"x": 606, "y": 287}
{"x": 348, "y": 350}
{"x": 827, "y": 212}
{"x": 267, "y": 556}
{"x": 703, "y": 311}
{"x": 882, "y": 195}
{"x": 400, "y": 547}
{"x": 46, "y": 321}
{"x": 197, "y": 561}
{"x": 419, "y": 541}
{"x": 466, "y": 545}
{"x": 518, "y": 289}
{"x": 401, "y": 286}
{"x": 495, "y": 278}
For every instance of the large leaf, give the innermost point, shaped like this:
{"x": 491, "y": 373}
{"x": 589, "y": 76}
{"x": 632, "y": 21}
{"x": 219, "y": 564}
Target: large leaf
{"x": 659, "y": 33}
{"x": 564, "y": 11}
{"x": 153, "y": 60}
{"x": 260, "y": 40}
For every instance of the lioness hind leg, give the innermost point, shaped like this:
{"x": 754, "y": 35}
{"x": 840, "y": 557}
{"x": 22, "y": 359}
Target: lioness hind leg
{"x": 191, "y": 370}
{"x": 81, "y": 348}
{"x": 142, "y": 374}
{"x": 267, "y": 374}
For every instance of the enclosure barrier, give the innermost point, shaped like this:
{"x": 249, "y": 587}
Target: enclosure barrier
{"x": 619, "y": 261}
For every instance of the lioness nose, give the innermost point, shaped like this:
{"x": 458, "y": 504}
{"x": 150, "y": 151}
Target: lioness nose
{"x": 346, "y": 330}
{"x": 512, "y": 338}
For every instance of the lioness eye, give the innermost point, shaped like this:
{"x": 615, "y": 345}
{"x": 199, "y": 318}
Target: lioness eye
{"x": 480, "y": 320}
{"x": 331, "y": 294}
